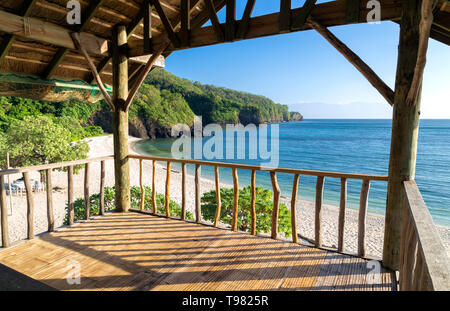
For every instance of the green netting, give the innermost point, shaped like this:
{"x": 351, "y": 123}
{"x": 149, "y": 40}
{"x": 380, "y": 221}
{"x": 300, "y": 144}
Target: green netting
{"x": 49, "y": 90}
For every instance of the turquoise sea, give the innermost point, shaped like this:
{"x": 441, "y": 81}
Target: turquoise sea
{"x": 351, "y": 146}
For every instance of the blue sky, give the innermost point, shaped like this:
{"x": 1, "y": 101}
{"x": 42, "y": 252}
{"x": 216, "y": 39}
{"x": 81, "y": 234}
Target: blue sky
{"x": 304, "y": 71}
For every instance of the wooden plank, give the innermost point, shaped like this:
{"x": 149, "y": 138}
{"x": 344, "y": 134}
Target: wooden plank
{"x": 342, "y": 207}
{"x": 155, "y": 208}
{"x": 294, "y": 208}
{"x": 87, "y": 203}
{"x": 318, "y": 212}
{"x": 243, "y": 25}
{"x": 355, "y": 60}
{"x": 218, "y": 198}
{"x": 167, "y": 25}
{"x": 102, "y": 188}
{"x": 362, "y": 218}
{"x": 215, "y": 20}
{"x": 407, "y": 269}
{"x": 230, "y": 26}
{"x": 276, "y": 204}
{"x": 141, "y": 184}
{"x": 167, "y": 197}
{"x": 49, "y": 33}
{"x": 183, "y": 191}
{"x": 303, "y": 14}
{"x": 185, "y": 22}
{"x": 285, "y": 16}
{"x": 253, "y": 202}
{"x": 30, "y": 206}
{"x": 147, "y": 7}
{"x": 352, "y": 11}
{"x": 418, "y": 271}
{"x": 50, "y": 214}
{"x": 198, "y": 212}
{"x": 70, "y": 196}
{"x": 4, "y": 213}
{"x": 234, "y": 223}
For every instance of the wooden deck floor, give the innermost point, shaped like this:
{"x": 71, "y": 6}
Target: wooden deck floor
{"x": 141, "y": 252}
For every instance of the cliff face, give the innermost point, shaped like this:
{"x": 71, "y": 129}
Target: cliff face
{"x": 165, "y": 100}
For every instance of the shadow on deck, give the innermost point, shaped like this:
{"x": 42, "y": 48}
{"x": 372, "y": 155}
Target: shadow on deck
{"x": 141, "y": 252}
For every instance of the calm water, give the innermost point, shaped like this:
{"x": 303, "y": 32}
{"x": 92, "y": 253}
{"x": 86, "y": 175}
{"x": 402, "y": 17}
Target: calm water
{"x": 351, "y": 146}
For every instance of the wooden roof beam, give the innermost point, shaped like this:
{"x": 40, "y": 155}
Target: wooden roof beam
{"x": 243, "y": 26}
{"x": 167, "y": 25}
{"x": 9, "y": 39}
{"x": 38, "y": 30}
{"x": 214, "y": 20}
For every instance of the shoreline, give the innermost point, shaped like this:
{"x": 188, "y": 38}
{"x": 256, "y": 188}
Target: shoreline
{"x": 103, "y": 145}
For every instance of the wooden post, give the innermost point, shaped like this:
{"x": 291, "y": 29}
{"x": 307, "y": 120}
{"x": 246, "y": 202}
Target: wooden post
{"x": 120, "y": 119}
{"x": 141, "y": 184}
{"x": 102, "y": 188}
{"x": 183, "y": 191}
{"x": 294, "y": 208}
{"x": 167, "y": 199}
{"x": 155, "y": 208}
{"x": 405, "y": 128}
{"x": 234, "y": 223}
{"x": 198, "y": 214}
{"x": 87, "y": 205}
{"x": 276, "y": 204}
{"x": 253, "y": 202}
{"x": 318, "y": 213}
{"x": 70, "y": 197}
{"x": 218, "y": 198}
{"x": 363, "y": 203}
{"x": 4, "y": 212}
{"x": 342, "y": 207}
{"x": 30, "y": 206}
{"x": 50, "y": 216}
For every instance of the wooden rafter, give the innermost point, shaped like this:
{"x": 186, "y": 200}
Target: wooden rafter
{"x": 147, "y": 7}
{"x": 230, "y": 26}
{"x": 303, "y": 14}
{"x": 10, "y": 38}
{"x": 243, "y": 25}
{"x": 166, "y": 23}
{"x": 355, "y": 60}
{"x": 185, "y": 22}
{"x": 214, "y": 20}
{"x": 62, "y": 52}
{"x": 285, "y": 16}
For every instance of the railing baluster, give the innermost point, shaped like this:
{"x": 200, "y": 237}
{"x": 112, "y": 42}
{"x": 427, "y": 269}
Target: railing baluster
{"x": 141, "y": 184}
{"x": 253, "y": 202}
{"x": 234, "y": 224}
{"x": 318, "y": 211}
{"x": 183, "y": 191}
{"x": 30, "y": 206}
{"x": 87, "y": 205}
{"x": 4, "y": 212}
{"x": 198, "y": 213}
{"x": 102, "y": 188}
{"x": 276, "y": 204}
{"x": 342, "y": 207}
{"x": 167, "y": 200}
{"x": 294, "y": 208}
{"x": 155, "y": 209}
{"x": 70, "y": 197}
{"x": 49, "y": 186}
{"x": 363, "y": 203}
{"x": 218, "y": 198}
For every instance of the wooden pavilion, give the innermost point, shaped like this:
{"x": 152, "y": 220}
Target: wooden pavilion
{"x": 119, "y": 42}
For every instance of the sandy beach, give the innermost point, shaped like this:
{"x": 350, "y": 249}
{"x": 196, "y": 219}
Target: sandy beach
{"x": 101, "y": 146}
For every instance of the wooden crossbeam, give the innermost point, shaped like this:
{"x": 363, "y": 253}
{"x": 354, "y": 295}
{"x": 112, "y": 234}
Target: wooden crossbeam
{"x": 243, "y": 25}
{"x": 352, "y": 11}
{"x": 166, "y": 23}
{"x": 305, "y": 11}
{"x": 230, "y": 27}
{"x": 79, "y": 45}
{"x": 147, "y": 7}
{"x": 355, "y": 60}
{"x": 214, "y": 20}
{"x": 285, "y": 16}
{"x": 9, "y": 39}
{"x": 62, "y": 52}
{"x": 185, "y": 22}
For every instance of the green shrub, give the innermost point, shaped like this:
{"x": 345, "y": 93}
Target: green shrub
{"x": 263, "y": 205}
{"x": 135, "y": 198}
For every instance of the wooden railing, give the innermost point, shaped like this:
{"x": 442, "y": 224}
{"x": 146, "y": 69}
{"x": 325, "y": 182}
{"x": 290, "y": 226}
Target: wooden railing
{"x": 25, "y": 171}
{"x": 321, "y": 175}
{"x": 424, "y": 264}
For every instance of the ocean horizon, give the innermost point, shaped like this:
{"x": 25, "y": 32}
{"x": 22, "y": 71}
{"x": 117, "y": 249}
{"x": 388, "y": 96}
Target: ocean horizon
{"x": 342, "y": 145}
